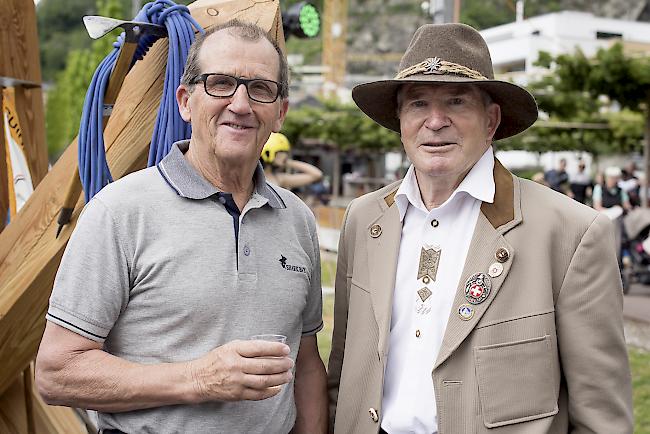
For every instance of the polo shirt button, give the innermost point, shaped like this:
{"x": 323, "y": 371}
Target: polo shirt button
{"x": 222, "y": 199}
{"x": 434, "y": 223}
{"x": 247, "y": 250}
{"x": 417, "y": 333}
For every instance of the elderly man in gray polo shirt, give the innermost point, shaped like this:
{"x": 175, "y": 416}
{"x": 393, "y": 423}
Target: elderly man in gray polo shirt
{"x": 172, "y": 269}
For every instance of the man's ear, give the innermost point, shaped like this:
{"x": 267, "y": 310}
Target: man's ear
{"x": 182, "y": 98}
{"x": 284, "y": 108}
{"x": 494, "y": 119}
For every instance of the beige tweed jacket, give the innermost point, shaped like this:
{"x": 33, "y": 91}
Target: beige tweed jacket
{"x": 545, "y": 353}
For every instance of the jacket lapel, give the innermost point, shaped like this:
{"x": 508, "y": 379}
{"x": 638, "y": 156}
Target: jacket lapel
{"x": 494, "y": 221}
{"x": 383, "y": 250}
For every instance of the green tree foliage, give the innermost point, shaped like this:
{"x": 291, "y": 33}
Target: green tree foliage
{"x": 61, "y": 30}
{"x": 65, "y": 99}
{"x": 342, "y": 125}
{"x": 483, "y": 14}
{"x": 591, "y": 91}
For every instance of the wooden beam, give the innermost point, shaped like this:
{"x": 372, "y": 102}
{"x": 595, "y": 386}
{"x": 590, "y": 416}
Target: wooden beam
{"x": 13, "y": 418}
{"x": 29, "y": 251}
{"x": 19, "y": 59}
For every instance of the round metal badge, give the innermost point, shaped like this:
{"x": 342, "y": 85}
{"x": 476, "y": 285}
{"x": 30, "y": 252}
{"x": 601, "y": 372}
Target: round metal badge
{"x": 465, "y": 312}
{"x": 495, "y": 269}
{"x": 477, "y": 288}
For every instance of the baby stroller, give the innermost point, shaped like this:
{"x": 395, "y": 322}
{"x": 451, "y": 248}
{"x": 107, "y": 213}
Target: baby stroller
{"x": 635, "y": 248}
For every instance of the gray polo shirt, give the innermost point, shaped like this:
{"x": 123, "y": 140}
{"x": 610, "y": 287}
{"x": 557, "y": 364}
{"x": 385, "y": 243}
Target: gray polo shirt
{"x": 157, "y": 272}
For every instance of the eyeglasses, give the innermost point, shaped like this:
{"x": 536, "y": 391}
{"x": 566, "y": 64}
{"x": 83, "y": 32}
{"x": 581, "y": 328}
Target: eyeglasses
{"x": 224, "y": 86}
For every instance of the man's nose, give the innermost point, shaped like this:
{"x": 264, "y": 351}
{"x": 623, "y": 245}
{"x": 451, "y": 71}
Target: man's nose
{"x": 239, "y": 102}
{"x": 437, "y": 118}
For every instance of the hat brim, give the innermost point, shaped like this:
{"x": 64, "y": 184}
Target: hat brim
{"x": 518, "y": 107}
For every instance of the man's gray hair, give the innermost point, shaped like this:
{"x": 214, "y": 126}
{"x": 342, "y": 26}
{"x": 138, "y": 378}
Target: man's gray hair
{"x": 246, "y": 31}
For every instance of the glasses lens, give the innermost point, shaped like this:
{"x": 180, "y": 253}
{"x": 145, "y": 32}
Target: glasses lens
{"x": 220, "y": 85}
{"x": 263, "y": 90}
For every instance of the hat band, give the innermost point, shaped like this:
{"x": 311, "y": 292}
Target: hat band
{"x": 433, "y": 65}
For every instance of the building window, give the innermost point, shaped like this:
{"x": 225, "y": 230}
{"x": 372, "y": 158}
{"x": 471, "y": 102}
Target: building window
{"x": 608, "y": 35}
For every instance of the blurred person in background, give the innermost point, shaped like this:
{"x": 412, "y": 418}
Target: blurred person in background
{"x": 608, "y": 194}
{"x": 283, "y": 171}
{"x": 581, "y": 184}
{"x": 629, "y": 183}
{"x": 558, "y": 179}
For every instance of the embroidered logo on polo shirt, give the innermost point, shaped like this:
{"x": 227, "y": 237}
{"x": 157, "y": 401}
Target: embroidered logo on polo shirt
{"x": 296, "y": 268}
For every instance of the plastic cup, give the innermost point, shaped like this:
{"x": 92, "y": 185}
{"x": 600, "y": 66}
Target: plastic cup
{"x": 271, "y": 338}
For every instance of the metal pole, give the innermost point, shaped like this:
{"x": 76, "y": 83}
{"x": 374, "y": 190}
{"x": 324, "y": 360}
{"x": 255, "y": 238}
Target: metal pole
{"x": 520, "y": 10}
{"x": 457, "y": 11}
{"x": 135, "y": 7}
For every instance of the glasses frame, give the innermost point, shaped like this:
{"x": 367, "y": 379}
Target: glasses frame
{"x": 240, "y": 81}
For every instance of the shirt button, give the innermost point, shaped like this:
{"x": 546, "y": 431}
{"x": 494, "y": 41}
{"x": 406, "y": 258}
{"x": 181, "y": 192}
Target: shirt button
{"x": 247, "y": 250}
{"x": 417, "y": 333}
{"x": 434, "y": 223}
{"x": 222, "y": 199}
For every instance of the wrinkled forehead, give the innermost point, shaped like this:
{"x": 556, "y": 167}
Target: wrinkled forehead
{"x": 227, "y": 45}
{"x": 423, "y": 90}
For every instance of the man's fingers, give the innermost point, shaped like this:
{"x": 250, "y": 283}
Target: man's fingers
{"x": 258, "y": 395}
{"x": 259, "y": 348}
{"x": 266, "y": 365}
{"x": 261, "y": 382}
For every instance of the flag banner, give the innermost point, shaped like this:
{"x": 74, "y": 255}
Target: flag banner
{"x": 20, "y": 180}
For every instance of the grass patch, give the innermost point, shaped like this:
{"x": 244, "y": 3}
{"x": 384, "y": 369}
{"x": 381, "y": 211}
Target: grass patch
{"x": 325, "y": 335}
{"x": 640, "y": 365}
{"x": 328, "y": 273}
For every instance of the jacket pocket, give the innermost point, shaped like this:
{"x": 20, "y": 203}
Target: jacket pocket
{"x": 516, "y": 381}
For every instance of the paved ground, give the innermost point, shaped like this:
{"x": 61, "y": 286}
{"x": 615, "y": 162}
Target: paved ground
{"x": 636, "y": 309}
{"x": 637, "y": 303}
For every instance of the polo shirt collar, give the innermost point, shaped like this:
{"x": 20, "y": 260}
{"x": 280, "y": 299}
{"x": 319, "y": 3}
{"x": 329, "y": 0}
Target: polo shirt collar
{"x": 183, "y": 178}
{"x": 478, "y": 183}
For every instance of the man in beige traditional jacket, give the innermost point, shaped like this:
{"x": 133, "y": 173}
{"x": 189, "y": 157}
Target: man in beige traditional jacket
{"x": 469, "y": 300}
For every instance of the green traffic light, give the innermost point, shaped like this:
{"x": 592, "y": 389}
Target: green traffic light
{"x": 309, "y": 20}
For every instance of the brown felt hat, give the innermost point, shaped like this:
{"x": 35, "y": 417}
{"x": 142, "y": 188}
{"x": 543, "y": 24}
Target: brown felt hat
{"x": 448, "y": 53}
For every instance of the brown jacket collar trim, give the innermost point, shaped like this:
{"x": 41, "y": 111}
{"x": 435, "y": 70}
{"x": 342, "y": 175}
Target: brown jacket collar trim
{"x": 390, "y": 199}
{"x": 501, "y": 211}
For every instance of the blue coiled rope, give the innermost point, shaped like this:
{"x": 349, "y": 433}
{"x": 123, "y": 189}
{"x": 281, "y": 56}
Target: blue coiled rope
{"x": 169, "y": 126}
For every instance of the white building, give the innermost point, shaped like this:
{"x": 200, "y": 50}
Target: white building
{"x": 514, "y": 47}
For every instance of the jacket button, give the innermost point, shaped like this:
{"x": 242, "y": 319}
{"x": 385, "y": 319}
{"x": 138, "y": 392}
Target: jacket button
{"x": 502, "y": 255}
{"x": 375, "y": 231}
{"x": 373, "y": 415}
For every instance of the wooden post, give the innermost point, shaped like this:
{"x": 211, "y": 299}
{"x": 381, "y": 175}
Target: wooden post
{"x": 19, "y": 59}
{"x": 28, "y": 387}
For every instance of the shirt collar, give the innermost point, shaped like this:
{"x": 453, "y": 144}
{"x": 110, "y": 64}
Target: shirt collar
{"x": 183, "y": 178}
{"x": 478, "y": 183}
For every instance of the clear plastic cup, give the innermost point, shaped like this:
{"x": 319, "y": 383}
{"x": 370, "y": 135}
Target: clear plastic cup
{"x": 271, "y": 338}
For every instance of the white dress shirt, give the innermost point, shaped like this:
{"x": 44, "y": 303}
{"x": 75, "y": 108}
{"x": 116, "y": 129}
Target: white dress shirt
{"x": 409, "y": 404}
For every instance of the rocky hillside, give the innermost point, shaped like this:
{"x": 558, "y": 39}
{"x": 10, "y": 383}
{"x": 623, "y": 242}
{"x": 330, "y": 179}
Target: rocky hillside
{"x": 380, "y": 30}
